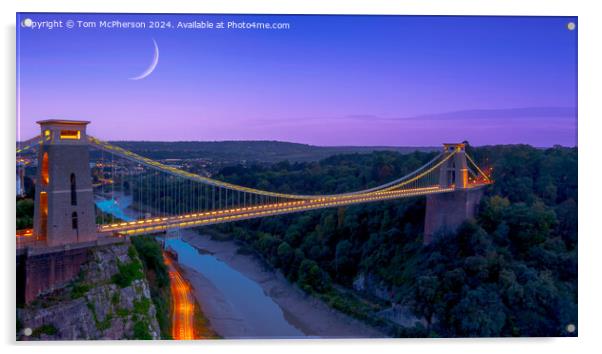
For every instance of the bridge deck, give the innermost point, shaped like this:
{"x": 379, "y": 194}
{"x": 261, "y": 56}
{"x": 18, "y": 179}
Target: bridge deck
{"x": 157, "y": 225}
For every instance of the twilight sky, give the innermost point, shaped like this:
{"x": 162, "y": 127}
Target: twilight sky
{"x": 328, "y": 80}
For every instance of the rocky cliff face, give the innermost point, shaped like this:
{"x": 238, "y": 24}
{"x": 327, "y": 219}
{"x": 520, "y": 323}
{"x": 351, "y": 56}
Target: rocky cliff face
{"x": 109, "y": 300}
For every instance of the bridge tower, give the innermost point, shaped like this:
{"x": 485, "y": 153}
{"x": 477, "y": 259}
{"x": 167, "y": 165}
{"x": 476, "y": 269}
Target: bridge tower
{"x": 446, "y": 211}
{"x": 64, "y": 203}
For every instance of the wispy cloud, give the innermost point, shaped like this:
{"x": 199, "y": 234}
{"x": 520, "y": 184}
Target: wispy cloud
{"x": 539, "y": 126}
{"x": 484, "y": 114}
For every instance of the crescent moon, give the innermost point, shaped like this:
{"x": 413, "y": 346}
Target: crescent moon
{"x": 152, "y": 66}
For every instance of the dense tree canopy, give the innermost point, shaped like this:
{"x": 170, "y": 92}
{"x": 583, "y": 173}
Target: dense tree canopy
{"x": 510, "y": 272}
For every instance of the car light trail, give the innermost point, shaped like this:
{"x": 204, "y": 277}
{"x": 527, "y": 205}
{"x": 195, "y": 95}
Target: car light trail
{"x": 182, "y": 304}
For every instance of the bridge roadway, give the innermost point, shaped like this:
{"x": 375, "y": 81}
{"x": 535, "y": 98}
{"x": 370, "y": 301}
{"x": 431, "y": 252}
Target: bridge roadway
{"x": 163, "y": 224}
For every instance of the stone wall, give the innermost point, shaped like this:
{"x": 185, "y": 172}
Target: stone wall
{"x": 93, "y": 306}
{"x": 46, "y": 272}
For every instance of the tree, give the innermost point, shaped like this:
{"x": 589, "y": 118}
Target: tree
{"x": 529, "y": 225}
{"x": 480, "y": 313}
{"x": 343, "y": 260}
{"x": 312, "y": 277}
{"x": 286, "y": 256}
{"x": 492, "y": 211}
{"x": 511, "y": 272}
{"x": 426, "y": 298}
{"x": 24, "y": 213}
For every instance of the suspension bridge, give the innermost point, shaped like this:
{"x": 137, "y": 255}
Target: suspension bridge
{"x": 77, "y": 173}
{"x": 89, "y": 192}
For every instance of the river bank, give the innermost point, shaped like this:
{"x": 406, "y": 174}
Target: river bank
{"x": 310, "y": 316}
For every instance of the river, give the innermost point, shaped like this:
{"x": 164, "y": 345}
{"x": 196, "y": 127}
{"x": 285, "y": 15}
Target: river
{"x": 256, "y": 313}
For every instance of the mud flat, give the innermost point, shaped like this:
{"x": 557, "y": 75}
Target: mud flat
{"x": 308, "y": 315}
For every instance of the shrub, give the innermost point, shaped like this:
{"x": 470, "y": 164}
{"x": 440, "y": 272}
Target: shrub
{"x": 142, "y": 306}
{"x": 141, "y": 330}
{"x": 78, "y": 290}
{"x": 127, "y": 274}
{"x": 312, "y": 277}
{"x": 115, "y": 298}
{"x": 47, "y": 329}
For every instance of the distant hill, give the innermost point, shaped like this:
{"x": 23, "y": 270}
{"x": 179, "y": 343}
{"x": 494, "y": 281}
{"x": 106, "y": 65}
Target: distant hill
{"x": 252, "y": 151}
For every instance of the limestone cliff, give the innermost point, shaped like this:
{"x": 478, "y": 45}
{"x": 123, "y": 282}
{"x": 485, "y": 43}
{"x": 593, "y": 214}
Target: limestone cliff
{"x": 110, "y": 299}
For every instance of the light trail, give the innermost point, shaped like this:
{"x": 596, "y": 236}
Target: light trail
{"x": 24, "y": 233}
{"x": 182, "y": 304}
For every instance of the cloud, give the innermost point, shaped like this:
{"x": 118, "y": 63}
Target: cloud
{"x": 483, "y": 114}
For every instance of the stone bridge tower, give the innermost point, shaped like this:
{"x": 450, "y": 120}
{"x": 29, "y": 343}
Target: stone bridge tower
{"x": 64, "y": 202}
{"x": 446, "y": 211}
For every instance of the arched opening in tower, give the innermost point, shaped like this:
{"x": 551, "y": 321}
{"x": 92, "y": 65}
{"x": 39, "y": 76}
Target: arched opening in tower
{"x": 73, "y": 190}
{"x": 45, "y": 176}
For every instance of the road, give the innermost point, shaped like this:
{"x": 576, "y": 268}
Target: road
{"x": 162, "y": 224}
{"x": 182, "y": 304}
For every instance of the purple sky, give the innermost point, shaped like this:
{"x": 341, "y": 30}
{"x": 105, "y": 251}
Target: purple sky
{"x": 328, "y": 80}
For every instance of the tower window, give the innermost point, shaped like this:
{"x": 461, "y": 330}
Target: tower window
{"x": 74, "y": 220}
{"x": 70, "y": 134}
{"x": 43, "y": 215}
{"x": 73, "y": 190}
{"x": 45, "y": 173}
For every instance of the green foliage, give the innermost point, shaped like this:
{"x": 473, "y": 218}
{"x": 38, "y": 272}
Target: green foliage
{"x": 285, "y": 256}
{"x": 141, "y": 330}
{"x": 24, "y": 213}
{"x": 151, "y": 254}
{"x": 312, "y": 277}
{"x": 257, "y": 151}
{"x": 47, "y": 329}
{"x": 79, "y": 289}
{"x": 132, "y": 253}
{"x": 426, "y": 297}
{"x": 92, "y": 309}
{"x": 344, "y": 266}
{"x": 105, "y": 218}
{"x": 127, "y": 273}
{"x": 106, "y": 323}
{"x": 350, "y": 304}
{"x": 116, "y": 298}
{"x": 511, "y": 272}
{"x": 476, "y": 285}
{"x": 142, "y": 306}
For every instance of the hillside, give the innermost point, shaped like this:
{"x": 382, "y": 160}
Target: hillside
{"x": 510, "y": 272}
{"x": 110, "y": 299}
{"x": 252, "y": 151}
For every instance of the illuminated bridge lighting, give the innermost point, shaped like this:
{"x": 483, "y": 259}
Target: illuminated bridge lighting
{"x": 169, "y": 198}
